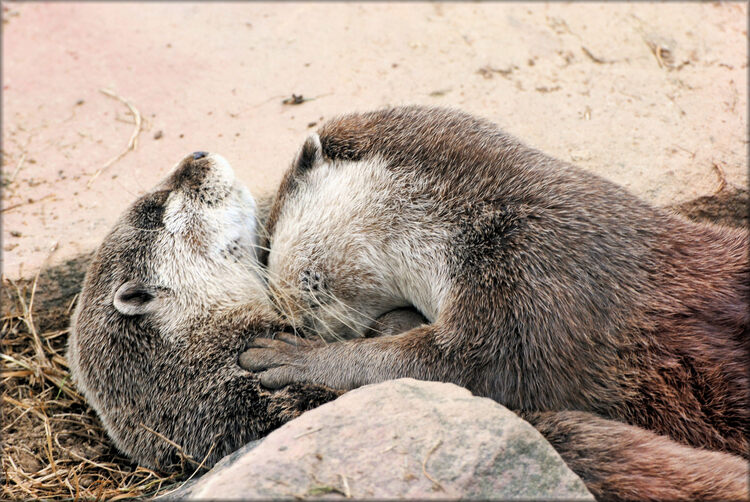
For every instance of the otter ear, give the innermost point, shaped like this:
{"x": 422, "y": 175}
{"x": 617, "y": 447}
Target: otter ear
{"x": 135, "y": 298}
{"x": 310, "y": 154}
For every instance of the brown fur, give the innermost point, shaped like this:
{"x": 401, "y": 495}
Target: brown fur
{"x": 179, "y": 376}
{"x": 192, "y": 391}
{"x": 617, "y": 461}
{"x": 564, "y": 291}
{"x": 187, "y": 386}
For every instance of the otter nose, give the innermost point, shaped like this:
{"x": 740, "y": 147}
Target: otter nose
{"x": 192, "y": 171}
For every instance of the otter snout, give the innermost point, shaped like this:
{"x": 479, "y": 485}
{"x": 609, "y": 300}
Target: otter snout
{"x": 193, "y": 169}
{"x": 201, "y": 169}
{"x": 311, "y": 282}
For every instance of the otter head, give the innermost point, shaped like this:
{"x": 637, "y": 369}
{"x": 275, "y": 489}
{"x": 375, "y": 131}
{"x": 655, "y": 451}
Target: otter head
{"x": 184, "y": 249}
{"x": 322, "y": 252}
{"x": 147, "y": 329}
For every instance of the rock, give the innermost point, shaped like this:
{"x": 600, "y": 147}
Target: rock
{"x": 403, "y": 438}
{"x": 187, "y": 488}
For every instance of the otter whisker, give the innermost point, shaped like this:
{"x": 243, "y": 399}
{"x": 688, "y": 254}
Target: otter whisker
{"x": 287, "y": 314}
{"x": 356, "y": 311}
{"x": 333, "y": 314}
{"x": 323, "y": 293}
{"x": 262, "y": 248}
{"x": 319, "y": 292}
{"x": 311, "y": 313}
{"x": 282, "y": 296}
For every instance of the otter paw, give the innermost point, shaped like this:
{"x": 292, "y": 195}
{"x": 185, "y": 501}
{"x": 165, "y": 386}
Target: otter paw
{"x": 297, "y": 341}
{"x": 276, "y": 378}
{"x": 265, "y": 353}
{"x": 279, "y": 362}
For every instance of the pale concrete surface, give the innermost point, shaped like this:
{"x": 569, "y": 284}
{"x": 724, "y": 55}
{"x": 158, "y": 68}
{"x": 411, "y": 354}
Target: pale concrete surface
{"x": 648, "y": 95}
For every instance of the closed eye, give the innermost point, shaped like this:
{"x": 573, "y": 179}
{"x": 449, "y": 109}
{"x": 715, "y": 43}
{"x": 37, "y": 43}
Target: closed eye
{"x": 148, "y": 212}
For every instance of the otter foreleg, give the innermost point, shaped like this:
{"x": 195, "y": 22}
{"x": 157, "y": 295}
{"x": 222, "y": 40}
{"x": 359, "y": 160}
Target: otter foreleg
{"x": 349, "y": 364}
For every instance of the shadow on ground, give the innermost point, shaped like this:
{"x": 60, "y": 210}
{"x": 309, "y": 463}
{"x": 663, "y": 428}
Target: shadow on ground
{"x": 730, "y": 207}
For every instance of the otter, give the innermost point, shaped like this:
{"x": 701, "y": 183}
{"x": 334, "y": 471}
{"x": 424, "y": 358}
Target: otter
{"x": 172, "y": 296}
{"x": 175, "y": 293}
{"x": 546, "y": 287}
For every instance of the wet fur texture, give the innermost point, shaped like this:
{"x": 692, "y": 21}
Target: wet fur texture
{"x": 546, "y": 287}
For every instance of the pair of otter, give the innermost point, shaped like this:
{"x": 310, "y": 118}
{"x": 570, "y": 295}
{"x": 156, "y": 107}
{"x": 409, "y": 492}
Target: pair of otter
{"x": 171, "y": 298}
{"x": 545, "y": 287}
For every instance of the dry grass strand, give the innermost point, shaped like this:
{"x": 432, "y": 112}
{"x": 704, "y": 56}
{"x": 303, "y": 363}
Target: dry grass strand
{"x": 54, "y": 446}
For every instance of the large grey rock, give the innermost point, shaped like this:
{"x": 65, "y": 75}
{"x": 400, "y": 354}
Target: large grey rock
{"x": 398, "y": 439}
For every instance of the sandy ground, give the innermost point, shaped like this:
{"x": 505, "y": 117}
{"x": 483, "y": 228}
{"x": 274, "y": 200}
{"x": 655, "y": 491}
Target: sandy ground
{"x": 652, "y": 96}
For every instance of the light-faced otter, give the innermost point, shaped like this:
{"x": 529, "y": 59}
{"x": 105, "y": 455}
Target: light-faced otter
{"x": 171, "y": 298}
{"x": 546, "y": 287}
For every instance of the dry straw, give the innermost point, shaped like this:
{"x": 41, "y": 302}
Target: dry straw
{"x": 54, "y": 446}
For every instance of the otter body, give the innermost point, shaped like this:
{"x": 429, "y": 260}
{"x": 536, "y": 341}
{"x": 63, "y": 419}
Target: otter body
{"x": 174, "y": 294}
{"x": 172, "y": 297}
{"x": 545, "y": 287}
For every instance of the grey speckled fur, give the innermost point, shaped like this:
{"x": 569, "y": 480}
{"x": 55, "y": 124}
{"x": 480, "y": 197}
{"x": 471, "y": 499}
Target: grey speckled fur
{"x": 172, "y": 368}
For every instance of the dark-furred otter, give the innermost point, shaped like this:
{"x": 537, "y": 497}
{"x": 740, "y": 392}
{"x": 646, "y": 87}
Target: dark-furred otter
{"x": 546, "y": 287}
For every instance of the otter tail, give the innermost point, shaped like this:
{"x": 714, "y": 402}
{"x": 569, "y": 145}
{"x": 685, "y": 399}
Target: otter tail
{"x": 617, "y": 461}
